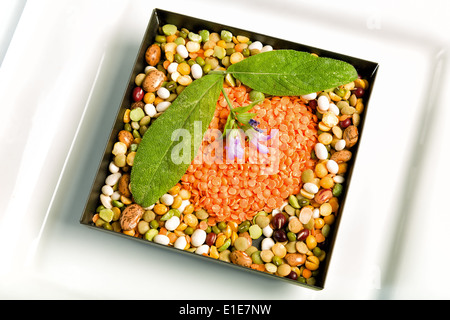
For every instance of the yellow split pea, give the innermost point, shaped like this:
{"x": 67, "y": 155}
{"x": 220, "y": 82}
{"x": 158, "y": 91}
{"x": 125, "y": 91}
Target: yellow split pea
{"x": 325, "y": 209}
{"x": 325, "y": 138}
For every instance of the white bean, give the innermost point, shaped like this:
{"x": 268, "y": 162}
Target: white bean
{"x": 340, "y": 145}
{"x": 150, "y": 208}
{"x": 166, "y": 199}
{"x": 183, "y": 206}
{"x": 106, "y": 201}
{"x": 198, "y": 237}
{"x": 150, "y": 110}
{"x": 107, "y": 190}
{"x": 332, "y": 166}
{"x": 275, "y": 211}
{"x": 310, "y": 96}
{"x": 163, "y": 106}
{"x": 172, "y": 223}
{"x": 338, "y": 179}
{"x": 323, "y": 103}
{"x": 255, "y": 45}
{"x": 175, "y": 75}
{"x": 267, "y": 231}
{"x": 148, "y": 69}
{"x": 311, "y": 187}
{"x": 161, "y": 239}
{"x": 113, "y": 168}
{"x": 321, "y": 151}
{"x": 203, "y": 249}
{"x": 182, "y": 51}
{"x": 172, "y": 67}
{"x": 113, "y": 178}
{"x": 316, "y": 213}
{"x": 197, "y": 71}
{"x": 180, "y": 243}
{"x": 267, "y": 244}
{"x": 116, "y": 195}
{"x": 266, "y": 48}
{"x": 163, "y": 93}
{"x": 334, "y": 108}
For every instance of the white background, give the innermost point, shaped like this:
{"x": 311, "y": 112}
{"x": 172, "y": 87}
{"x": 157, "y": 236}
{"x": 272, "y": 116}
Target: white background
{"x": 64, "y": 68}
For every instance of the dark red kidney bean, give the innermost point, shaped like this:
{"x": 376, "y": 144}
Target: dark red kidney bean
{"x": 211, "y": 238}
{"x": 347, "y": 122}
{"x": 279, "y": 221}
{"x": 292, "y": 275}
{"x": 312, "y": 103}
{"x": 359, "y": 92}
{"x": 279, "y": 235}
{"x": 138, "y": 94}
{"x": 302, "y": 235}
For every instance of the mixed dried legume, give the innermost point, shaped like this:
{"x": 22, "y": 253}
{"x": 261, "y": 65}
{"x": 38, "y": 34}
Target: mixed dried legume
{"x": 276, "y": 223}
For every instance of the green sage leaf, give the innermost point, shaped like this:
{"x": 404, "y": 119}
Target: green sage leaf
{"x": 172, "y": 141}
{"x": 292, "y": 73}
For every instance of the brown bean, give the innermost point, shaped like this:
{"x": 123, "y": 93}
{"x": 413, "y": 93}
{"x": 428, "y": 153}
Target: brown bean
{"x": 153, "y": 80}
{"x": 124, "y": 182}
{"x": 295, "y": 259}
{"x": 153, "y": 55}
{"x": 323, "y": 196}
{"x": 341, "y": 156}
{"x": 240, "y": 258}
{"x": 138, "y": 104}
{"x": 130, "y": 217}
{"x": 350, "y": 136}
{"x": 126, "y": 137}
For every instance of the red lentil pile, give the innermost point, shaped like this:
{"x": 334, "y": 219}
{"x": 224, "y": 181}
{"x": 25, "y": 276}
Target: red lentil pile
{"x": 237, "y": 191}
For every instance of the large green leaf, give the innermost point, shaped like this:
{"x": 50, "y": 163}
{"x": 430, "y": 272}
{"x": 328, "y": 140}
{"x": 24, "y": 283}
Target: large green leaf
{"x": 155, "y": 170}
{"x": 292, "y": 73}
